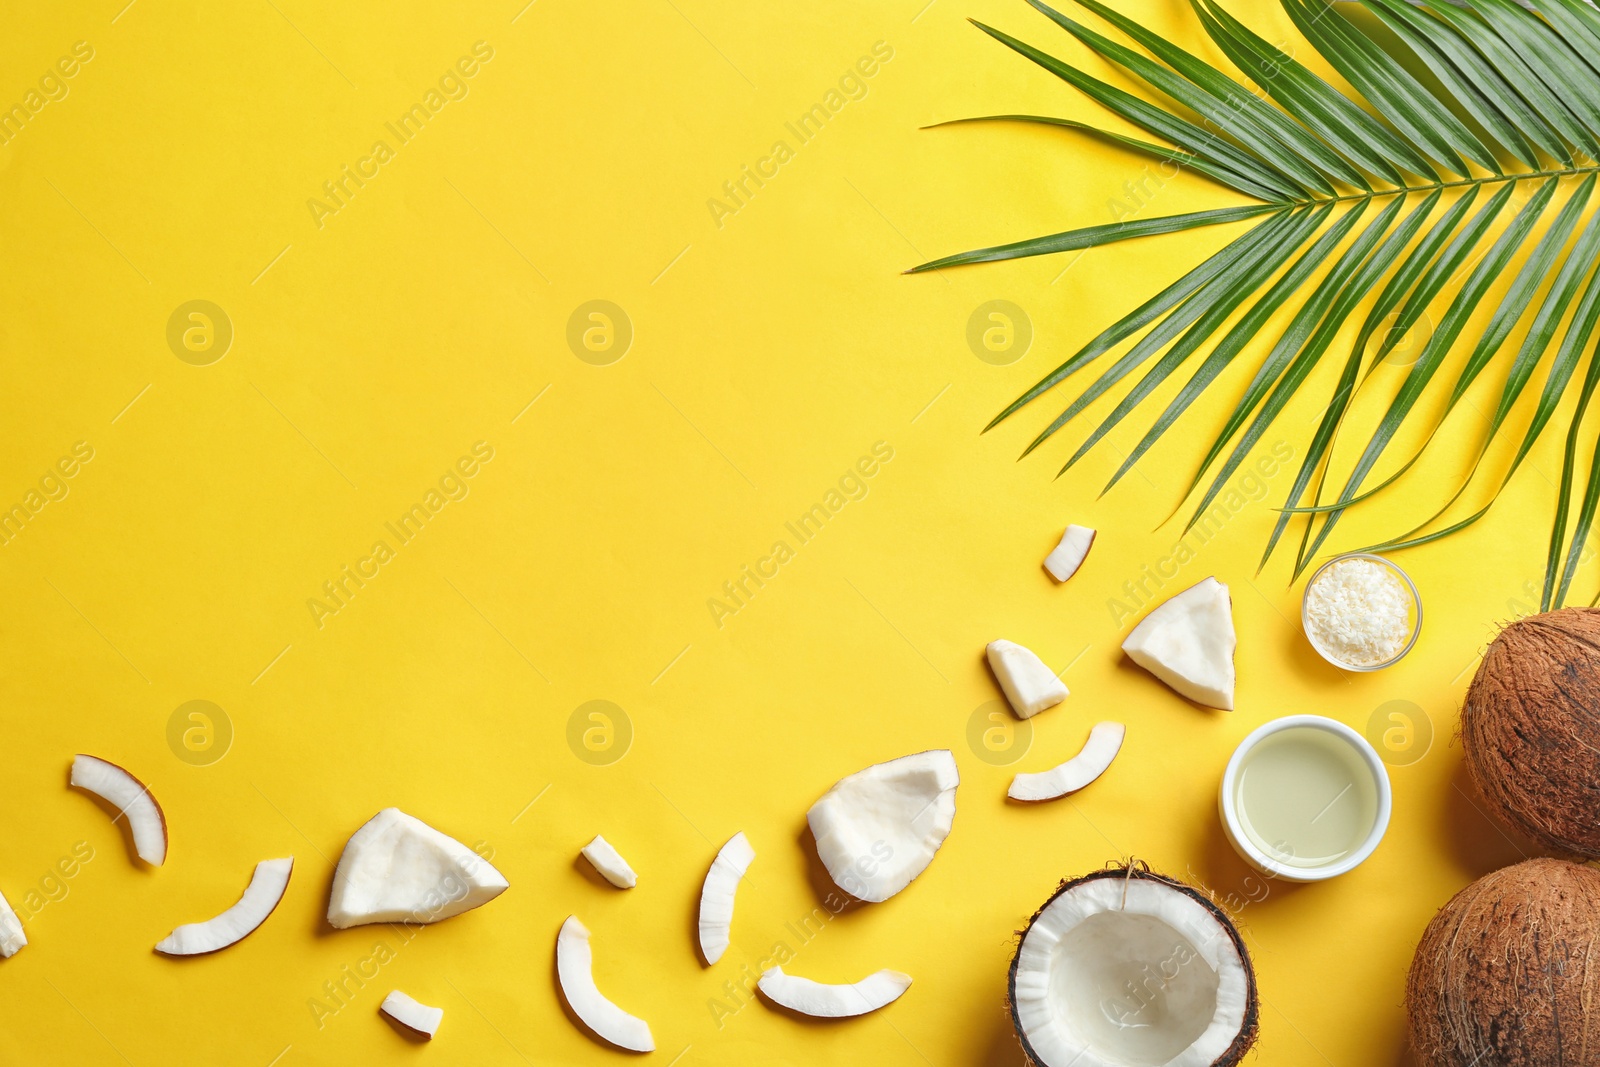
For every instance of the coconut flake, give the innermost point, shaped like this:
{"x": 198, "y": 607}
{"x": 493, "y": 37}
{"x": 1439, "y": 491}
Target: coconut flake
{"x": 1359, "y": 612}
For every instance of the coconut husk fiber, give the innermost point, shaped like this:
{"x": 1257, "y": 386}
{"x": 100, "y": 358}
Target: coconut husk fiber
{"x": 1507, "y": 971}
{"x": 1531, "y": 728}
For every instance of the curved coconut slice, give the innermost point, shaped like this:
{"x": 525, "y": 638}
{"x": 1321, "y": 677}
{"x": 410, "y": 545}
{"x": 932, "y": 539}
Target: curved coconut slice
{"x": 130, "y": 797}
{"x": 1065, "y": 559}
{"x": 1188, "y": 643}
{"x": 716, "y": 895}
{"x": 11, "y": 936}
{"x": 1105, "y": 741}
{"x": 574, "y": 970}
{"x": 399, "y": 868}
{"x": 1124, "y": 967}
{"x": 1029, "y": 685}
{"x": 261, "y": 896}
{"x": 833, "y": 1001}
{"x": 412, "y": 1014}
{"x": 879, "y": 828}
{"x": 609, "y": 862}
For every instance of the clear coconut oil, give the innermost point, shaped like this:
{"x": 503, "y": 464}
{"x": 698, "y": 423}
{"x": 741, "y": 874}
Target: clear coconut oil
{"x": 1305, "y": 797}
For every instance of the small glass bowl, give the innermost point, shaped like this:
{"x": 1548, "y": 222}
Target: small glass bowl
{"x": 1416, "y": 614}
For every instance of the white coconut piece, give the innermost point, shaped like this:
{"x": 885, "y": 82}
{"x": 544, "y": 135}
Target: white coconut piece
{"x": 1188, "y": 642}
{"x": 261, "y": 897}
{"x": 412, "y": 1014}
{"x": 1065, "y": 559}
{"x": 716, "y": 895}
{"x": 574, "y": 972}
{"x": 1105, "y": 741}
{"x": 397, "y": 868}
{"x": 880, "y": 827}
{"x": 832, "y": 1001}
{"x": 1118, "y": 970}
{"x": 131, "y": 798}
{"x": 1029, "y": 685}
{"x": 11, "y": 936}
{"x": 609, "y": 862}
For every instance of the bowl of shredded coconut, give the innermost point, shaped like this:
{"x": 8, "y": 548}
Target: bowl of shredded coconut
{"x": 1361, "y": 612}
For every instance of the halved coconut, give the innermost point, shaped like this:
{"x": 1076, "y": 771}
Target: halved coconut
{"x": 1105, "y": 741}
{"x": 131, "y": 798}
{"x": 1188, "y": 643}
{"x": 880, "y": 827}
{"x": 575, "y": 973}
{"x": 832, "y": 1001}
{"x": 398, "y": 868}
{"x": 1065, "y": 559}
{"x": 11, "y": 936}
{"x": 716, "y": 895}
{"x": 1125, "y": 968}
{"x": 603, "y": 857}
{"x": 261, "y": 896}
{"x": 414, "y": 1015}
{"x": 1029, "y": 685}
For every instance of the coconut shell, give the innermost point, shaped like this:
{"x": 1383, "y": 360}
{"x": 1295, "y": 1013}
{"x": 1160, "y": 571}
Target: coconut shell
{"x": 1248, "y": 1033}
{"x": 1504, "y": 976}
{"x": 1531, "y": 728}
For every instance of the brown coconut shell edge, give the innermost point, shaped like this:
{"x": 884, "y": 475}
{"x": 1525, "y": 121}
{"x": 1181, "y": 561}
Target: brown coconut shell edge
{"x": 1249, "y": 1031}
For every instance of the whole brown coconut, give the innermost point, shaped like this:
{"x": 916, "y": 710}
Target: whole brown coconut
{"x": 1531, "y": 728}
{"x": 1504, "y": 975}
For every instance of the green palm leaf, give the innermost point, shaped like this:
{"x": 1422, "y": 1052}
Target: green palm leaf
{"x": 1513, "y": 103}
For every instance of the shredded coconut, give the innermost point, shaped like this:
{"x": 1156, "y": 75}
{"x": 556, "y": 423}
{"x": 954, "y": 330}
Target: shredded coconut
{"x": 1359, "y": 612}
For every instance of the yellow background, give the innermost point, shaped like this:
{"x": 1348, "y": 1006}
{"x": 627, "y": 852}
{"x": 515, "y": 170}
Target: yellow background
{"x": 768, "y": 355}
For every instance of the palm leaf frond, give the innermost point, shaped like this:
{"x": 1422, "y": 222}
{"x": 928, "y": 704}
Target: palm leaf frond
{"x": 1465, "y": 103}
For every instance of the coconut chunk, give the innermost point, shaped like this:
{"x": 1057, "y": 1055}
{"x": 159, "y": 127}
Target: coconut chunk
{"x": 880, "y": 827}
{"x": 412, "y": 1014}
{"x": 11, "y": 936}
{"x": 398, "y": 868}
{"x": 1188, "y": 642}
{"x": 575, "y": 974}
{"x": 267, "y": 885}
{"x": 1125, "y": 967}
{"x": 716, "y": 895}
{"x": 131, "y": 798}
{"x": 1105, "y": 741}
{"x": 1029, "y": 685}
{"x": 609, "y": 862}
{"x": 832, "y": 1001}
{"x": 1065, "y": 559}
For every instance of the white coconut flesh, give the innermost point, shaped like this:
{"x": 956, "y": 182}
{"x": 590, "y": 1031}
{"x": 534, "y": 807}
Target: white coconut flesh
{"x": 603, "y": 857}
{"x": 1129, "y": 972}
{"x": 261, "y": 896}
{"x": 412, "y": 1014}
{"x": 131, "y": 798}
{"x": 1188, "y": 643}
{"x": 398, "y": 868}
{"x": 11, "y": 936}
{"x": 1105, "y": 741}
{"x": 832, "y": 1001}
{"x": 575, "y": 972}
{"x": 1029, "y": 685}
{"x": 717, "y": 895}
{"x": 879, "y": 828}
{"x": 1065, "y": 559}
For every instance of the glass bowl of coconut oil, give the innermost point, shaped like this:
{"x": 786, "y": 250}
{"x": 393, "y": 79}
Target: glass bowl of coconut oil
{"x": 1361, "y": 612}
{"x": 1305, "y": 798}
